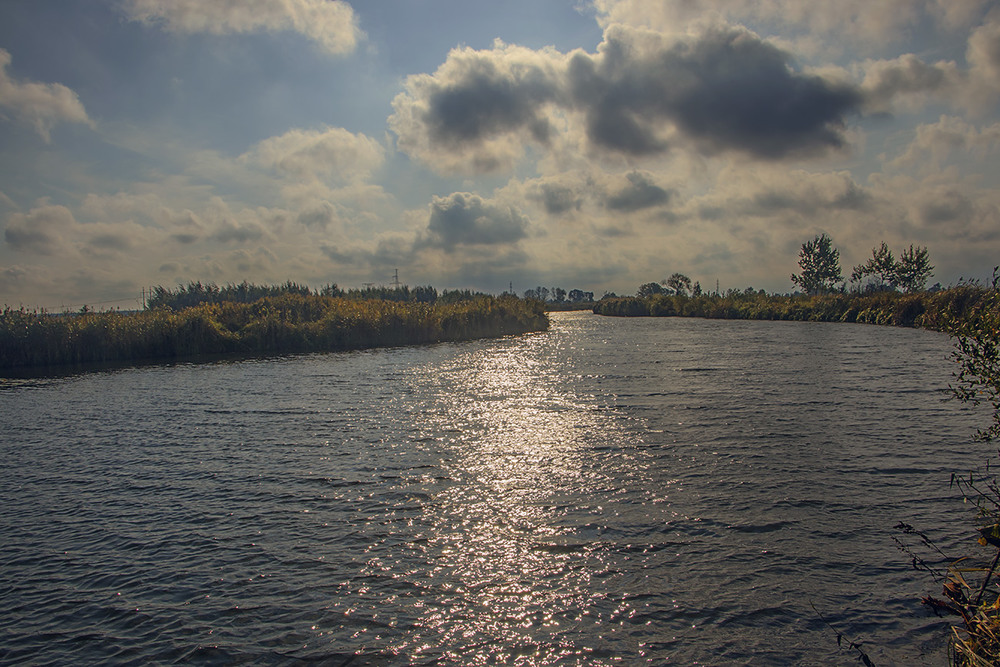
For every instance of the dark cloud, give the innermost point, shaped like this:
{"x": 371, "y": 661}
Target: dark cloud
{"x": 557, "y": 199}
{"x": 728, "y": 90}
{"x": 853, "y": 198}
{"x": 319, "y": 216}
{"x": 185, "y": 238}
{"x": 486, "y": 102}
{"x": 337, "y": 255}
{"x": 230, "y": 231}
{"x": 42, "y": 230}
{"x": 804, "y": 195}
{"x": 712, "y": 212}
{"x": 948, "y": 207}
{"x": 26, "y": 238}
{"x": 640, "y": 193}
{"x": 109, "y": 241}
{"x": 467, "y": 219}
{"x": 614, "y": 231}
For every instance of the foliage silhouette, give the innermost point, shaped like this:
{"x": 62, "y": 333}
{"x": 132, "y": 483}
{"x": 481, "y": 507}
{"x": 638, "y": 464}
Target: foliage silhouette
{"x": 820, "y": 264}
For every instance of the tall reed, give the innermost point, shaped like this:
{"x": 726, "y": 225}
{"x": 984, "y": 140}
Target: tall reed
{"x": 290, "y": 322}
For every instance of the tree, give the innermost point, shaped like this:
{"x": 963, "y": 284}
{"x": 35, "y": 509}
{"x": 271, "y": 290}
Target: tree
{"x": 558, "y": 294}
{"x": 696, "y": 290}
{"x": 648, "y": 289}
{"x": 820, "y": 263}
{"x": 679, "y": 283}
{"x": 881, "y": 266}
{"x": 914, "y": 269}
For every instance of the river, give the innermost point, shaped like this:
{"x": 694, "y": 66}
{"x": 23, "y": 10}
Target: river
{"x": 610, "y": 492}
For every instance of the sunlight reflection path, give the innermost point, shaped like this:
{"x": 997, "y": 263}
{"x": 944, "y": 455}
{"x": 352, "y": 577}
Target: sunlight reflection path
{"x": 514, "y": 542}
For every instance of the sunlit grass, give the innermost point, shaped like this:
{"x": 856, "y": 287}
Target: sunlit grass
{"x": 275, "y": 324}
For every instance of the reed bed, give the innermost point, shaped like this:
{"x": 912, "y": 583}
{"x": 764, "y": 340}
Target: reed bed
{"x": 271, "y": 325}
{"x": 930, "y": 310}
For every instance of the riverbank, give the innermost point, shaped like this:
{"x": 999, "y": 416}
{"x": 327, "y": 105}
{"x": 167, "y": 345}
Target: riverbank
{"x": 272, "y": 325}
{"x": 930, "y": 310}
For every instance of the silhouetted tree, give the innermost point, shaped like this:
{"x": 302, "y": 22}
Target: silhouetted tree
{"x": 648, "y": 289}
{"x": 914, "y": 269}
{"x": 679, "y": 283}
{"x": 881, "y": 267}
{"x": 820, "y": 264}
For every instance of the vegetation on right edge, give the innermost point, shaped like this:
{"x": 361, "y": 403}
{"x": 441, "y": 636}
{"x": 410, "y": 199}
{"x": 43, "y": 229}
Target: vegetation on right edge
{"x": 971, "y": 592}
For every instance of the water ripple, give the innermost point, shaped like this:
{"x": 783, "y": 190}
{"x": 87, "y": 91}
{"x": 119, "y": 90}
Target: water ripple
{"x": 610, "y": 492}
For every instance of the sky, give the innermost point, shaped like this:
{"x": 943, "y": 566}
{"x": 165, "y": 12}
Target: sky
{"x": 583, "y": 144}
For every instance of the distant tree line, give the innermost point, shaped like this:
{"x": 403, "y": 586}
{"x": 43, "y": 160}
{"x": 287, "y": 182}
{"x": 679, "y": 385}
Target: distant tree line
{"x": 197, "y": 293}
{"x": 558, "y": 295}
{"x": 677, "y": 283}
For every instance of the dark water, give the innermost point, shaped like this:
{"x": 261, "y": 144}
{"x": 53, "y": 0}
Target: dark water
{"x": 612, "y": 492}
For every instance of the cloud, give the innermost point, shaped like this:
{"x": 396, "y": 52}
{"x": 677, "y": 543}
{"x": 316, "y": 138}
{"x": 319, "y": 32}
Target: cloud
{"x": 332, "y": 153}
{"x": 479, "y": 107}
{"x": 42, "y": 230}
{"x": 723, "y": 90}
{"x": 322, "y": 215}
{"x": 641, "y": 192}
{"x": 42, "y": 105}
{"x": 885, "y": 81}
{"x": 556, "y": 198}
{"x": 945, "y": 206}
{"x": 228, "y": 227}
{"x": 850, "y": 24}
{"x": 950, "y": 138}
{"x": 332, "y": 24}
{"x": 767, "y": 200}
{"x": 726, "y": 89}
{"x": 464, "y": 219}
{"x": 983, "y": 56}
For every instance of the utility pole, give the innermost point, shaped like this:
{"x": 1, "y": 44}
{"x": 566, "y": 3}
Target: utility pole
{"x": 395, "y": 279}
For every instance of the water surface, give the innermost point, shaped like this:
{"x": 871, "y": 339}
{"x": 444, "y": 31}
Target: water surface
{"x": 611, "y": 492}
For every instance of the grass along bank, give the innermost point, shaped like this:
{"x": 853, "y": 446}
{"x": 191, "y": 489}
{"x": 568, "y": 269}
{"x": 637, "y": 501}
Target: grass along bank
{"x": 930, "y": 310}
{"x": 271, "y": 325}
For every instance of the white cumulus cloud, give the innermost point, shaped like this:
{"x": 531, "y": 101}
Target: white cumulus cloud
{"x": 43, "y": 105}
{"x": 329, "y": 154}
